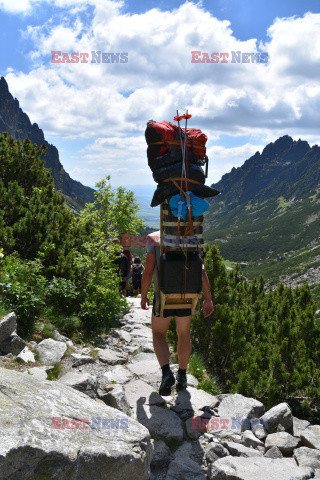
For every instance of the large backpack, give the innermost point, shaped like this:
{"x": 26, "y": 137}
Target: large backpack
{"x": 136, "y": 271}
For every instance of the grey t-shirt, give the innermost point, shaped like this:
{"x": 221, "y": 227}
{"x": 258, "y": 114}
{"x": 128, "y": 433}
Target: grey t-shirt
{"x": 155, "y": 250}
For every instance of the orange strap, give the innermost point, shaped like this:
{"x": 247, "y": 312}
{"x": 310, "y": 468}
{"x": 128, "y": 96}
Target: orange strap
{"x": 182, "y": 178}
{"x": 177, "y": 142}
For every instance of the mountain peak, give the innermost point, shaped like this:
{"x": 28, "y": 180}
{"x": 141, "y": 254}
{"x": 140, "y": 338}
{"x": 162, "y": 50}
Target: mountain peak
{"x": 3, "y": 85}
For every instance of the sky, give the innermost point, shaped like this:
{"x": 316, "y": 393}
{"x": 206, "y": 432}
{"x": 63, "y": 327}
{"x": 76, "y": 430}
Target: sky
{"x": 96, "y": 113}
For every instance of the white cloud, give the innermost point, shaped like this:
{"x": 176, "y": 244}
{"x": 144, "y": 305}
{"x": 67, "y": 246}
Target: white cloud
{"x": 90, "y": 100}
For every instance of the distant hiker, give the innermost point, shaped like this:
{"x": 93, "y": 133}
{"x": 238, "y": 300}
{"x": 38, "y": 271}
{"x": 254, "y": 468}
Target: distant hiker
{"x": 123, "y": 269}
{"x": 129, "y": 258}
{"x": 160, "y": 324}
{"x": 136, "y": 271}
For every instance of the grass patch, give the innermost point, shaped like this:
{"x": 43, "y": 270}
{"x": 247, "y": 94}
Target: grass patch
{"x": 55, "y": 372}
{"x": 207, "y": 382}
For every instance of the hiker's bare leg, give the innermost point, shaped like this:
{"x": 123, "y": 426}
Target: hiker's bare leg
{"x": 184, "y": 342}
{"x": 159, "y": 330}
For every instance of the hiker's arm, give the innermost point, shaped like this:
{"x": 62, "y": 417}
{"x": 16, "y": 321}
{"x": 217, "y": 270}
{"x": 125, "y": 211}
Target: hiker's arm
{"x": 207, "y": 304}
{"x": 146, "y": 279}
{"x": 131, "y": 270}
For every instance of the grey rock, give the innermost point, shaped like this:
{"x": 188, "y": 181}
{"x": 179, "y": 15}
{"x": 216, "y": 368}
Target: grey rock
{"x": 238, "y": 450}
{"x": 193, "y": 399}
{"x": 32, "y": 344}
{"x": 50, "y": 351}
{"x": 84, "y": 382}
{"x": 138, "y": 391}
{"x": 283, "y": 440}
{"x": 258, "y": 428}
{"x": 110, "y": 356}
{"x": 8, "y": 324}
{"x": 31, "y": 448}
{"x": 307, "y": 457}
{"x": 78, "y": 359}
{"x": 310, "y": 437}
{"x": 144, "y": 357}
{"x": 226, "y": 435}
{"x": 161, "y": 454}
{"x": 299, "y": 426}
{"x": 250, "y": 440}
{"x": 13, "y": 344}
{"x": 26, "y": 355}
{"x": 273, "y": 452}
{"x": 195, "y": 427}
{"x": 116, "y": 398}
{"x": 277, "y": 415}
{"x": 238, "y": 409}
{"x": 148, "y": 371}
{"x": 123, "y": 335}
{"x": 184, "y": 469}
{"x": 256, "y": 468}
{"x": 214, "y": 451}
{"x": 118, "y": 374}
{"x": 161, "y": 422}
{"x": 37, "y": 372}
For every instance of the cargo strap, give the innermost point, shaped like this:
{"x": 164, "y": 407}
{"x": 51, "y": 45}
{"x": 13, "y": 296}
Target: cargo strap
{"x": 190, "y": 143}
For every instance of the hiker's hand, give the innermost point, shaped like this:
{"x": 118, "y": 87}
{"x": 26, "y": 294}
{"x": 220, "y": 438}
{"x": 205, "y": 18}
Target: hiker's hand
{"x": 144, "y": 303}
{"x": 207, "y": 307}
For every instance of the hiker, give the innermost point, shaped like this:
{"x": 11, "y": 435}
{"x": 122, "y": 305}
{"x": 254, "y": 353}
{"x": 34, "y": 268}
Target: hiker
{"x": 160, "y": 324}
{"x": 123, "y": 269}
{"x": 129, "y": 258}
{"x": 136, "y": 272}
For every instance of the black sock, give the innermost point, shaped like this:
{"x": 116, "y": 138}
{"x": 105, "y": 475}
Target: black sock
{"x": 165, "y": 369}
{"x": 182, "y": 372}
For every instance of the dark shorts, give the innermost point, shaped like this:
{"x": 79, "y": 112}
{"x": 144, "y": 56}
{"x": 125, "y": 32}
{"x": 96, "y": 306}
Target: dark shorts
{"x": 136, "y": 283}
{"x": 123, "y": 284}
{"x": 175, "y": 312}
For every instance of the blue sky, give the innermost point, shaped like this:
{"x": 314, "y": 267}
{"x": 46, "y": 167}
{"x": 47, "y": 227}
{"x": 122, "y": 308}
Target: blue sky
{"x": 96, "y": 114}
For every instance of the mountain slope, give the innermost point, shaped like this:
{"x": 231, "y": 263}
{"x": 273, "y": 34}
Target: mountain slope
{"x": 17, "y": 123}
{"x": 268, "y": 213}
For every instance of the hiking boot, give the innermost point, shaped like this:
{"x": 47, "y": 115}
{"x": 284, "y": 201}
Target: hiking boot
{"x": 166, "y": 383}
{"x": 181, "y": 382}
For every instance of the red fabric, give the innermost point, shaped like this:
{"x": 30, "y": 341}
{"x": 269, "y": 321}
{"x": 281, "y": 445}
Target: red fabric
{"x": 169, "y": 132}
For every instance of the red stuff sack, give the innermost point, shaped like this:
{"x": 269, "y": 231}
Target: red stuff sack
{"x": 162, "y": 137}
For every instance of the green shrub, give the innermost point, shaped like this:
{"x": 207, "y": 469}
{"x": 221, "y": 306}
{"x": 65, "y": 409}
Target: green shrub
{"x": 262, "y": 344}
{"x": 63, "y": 295}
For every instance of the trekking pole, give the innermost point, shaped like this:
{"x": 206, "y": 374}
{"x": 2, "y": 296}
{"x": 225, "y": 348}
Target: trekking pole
{"x": 177, "y": 118}
{"x": 186, "y": 116}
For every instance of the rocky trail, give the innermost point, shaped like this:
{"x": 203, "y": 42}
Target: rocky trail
{"x": 103, "y": 418}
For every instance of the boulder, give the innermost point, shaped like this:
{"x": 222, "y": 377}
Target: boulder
{"x": 77, "y": 359}
{"x": 238, "y": 450}
{"x": 192, "y": 399}
{"x": 37, "y": 372}
{"x": 8, "y": 324}
{"x": 57, "y": 432}
{"x": 161, "y": 422}
{"x": 84, "y": 382}
{"x": 250, "y": 440}
{"x": 238, "y": 409}
{"x": 273, "y": 452}
{"x": 50, "y": 351}
{"x": 214, "y": 451}
{"x": 137, "y": 391}
{"x": 161, "y": 454}
{"x": 195, "y": 427}
{"x": 258, "y": 428}
{"x": 256, "y": 468}
{"x": 184, "y": 469}
{"x": 283, "y": 440}
{"x": 310, "y": 436}
{"x": 299, "y": 426}
{"x": 118, "y": 374}
{"x": 13, "y": 344}
{"x": 107, "y": 355}
{"x": 278, "y": 415}
{"x": 307, "y": 457}
{"x": 26, "y": 355}
{"x": 116, "y": 398}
